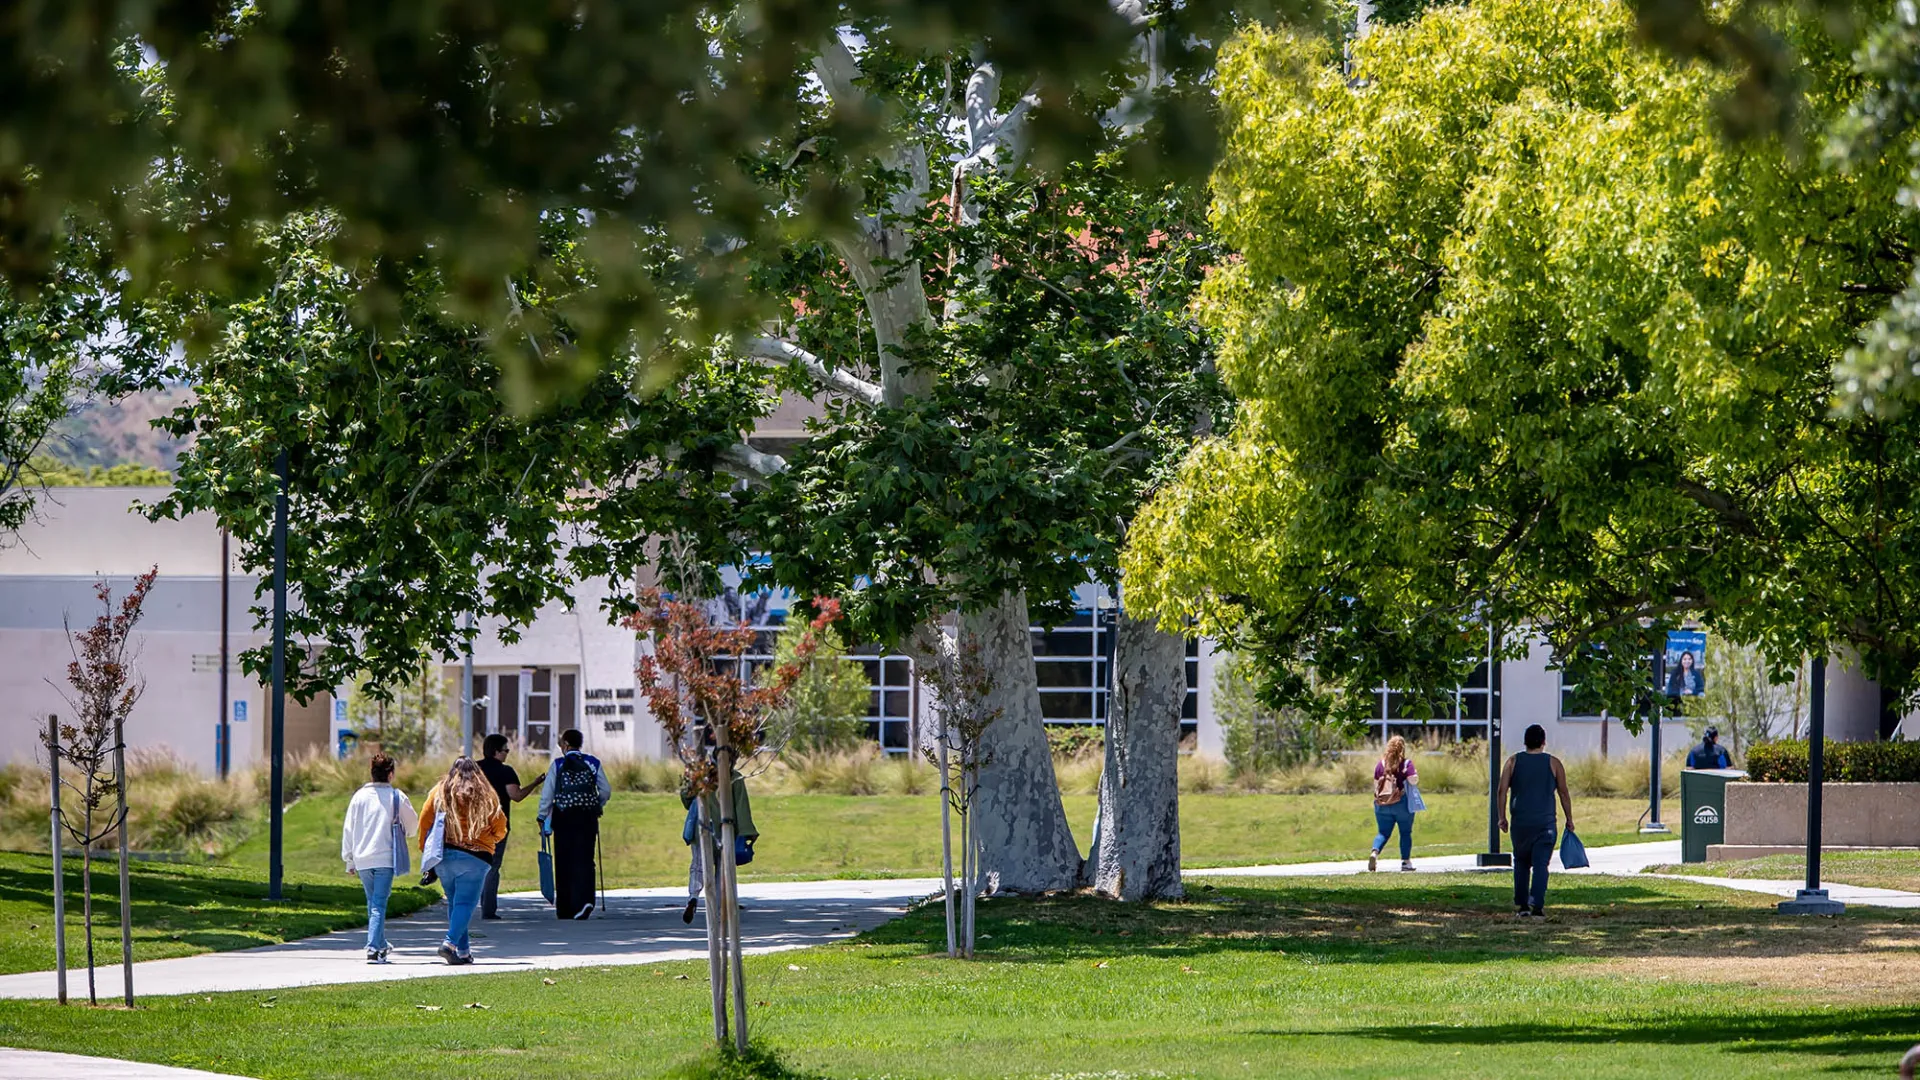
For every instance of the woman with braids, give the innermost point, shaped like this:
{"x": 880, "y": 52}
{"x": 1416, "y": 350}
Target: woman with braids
{"x": 474, "y": 826}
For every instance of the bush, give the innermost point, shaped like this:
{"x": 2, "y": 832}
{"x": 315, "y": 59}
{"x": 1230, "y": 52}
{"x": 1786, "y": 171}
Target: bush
{"x": 827, "y": 709}
{"x": 1202, "y": 775}
{"x": 1259, "y": 739}
{"x": 1846, "y": 762}
{"x": 1072, "y": 741}
{"x": 643, "y": 774}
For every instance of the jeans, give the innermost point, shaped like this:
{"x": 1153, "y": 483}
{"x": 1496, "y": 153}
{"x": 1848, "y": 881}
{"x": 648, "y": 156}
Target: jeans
{"x": 490, "y": 892}
{"x": 1386, "y": 817}
{"x": 378, "y": 885}
{"x": 1532, "y": 851}
{"x": 461, "y": 875}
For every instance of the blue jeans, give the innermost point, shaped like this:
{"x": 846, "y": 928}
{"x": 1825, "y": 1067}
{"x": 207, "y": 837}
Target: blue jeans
{"x": 1532, "y": 851}
{"x": 1386, "y": 817}
{"x": 378, "y": 885}
{"x": 462, "y": 876}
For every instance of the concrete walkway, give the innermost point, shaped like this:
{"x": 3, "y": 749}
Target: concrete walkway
{"x": 39, "y": 1065}
{"x": 640, "y": 926}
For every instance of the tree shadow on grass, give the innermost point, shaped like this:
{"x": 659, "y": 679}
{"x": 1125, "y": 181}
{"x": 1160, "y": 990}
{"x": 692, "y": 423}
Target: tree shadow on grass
{"x": 1869, "y": 1039}
{"x": 1439, "y": 920}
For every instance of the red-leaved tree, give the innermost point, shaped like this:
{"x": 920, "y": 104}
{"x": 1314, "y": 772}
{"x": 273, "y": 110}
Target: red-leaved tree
{"x": 715, "y": 706}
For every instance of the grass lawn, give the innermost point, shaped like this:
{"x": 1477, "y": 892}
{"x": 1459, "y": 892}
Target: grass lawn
{"x": 1361, "y": 977}
{"x": 827, "y": 836}
{"x": 1874, "y": 869}
{"x": 177, "y": 911}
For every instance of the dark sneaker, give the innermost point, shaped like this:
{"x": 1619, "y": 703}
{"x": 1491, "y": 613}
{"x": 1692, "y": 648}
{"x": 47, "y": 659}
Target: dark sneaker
{"x": 1522, "y": 913}
{"x": 585, "y": 912}
{"x": 495, "y": 917}
{"x": 1539, "y": 913}
{"x": 686, "y": 916}
{"x": 464, "y": 958}
{"x": 385, "y": 951}
{"x": 373, "y": 956}
{"x": 448, "y": 953}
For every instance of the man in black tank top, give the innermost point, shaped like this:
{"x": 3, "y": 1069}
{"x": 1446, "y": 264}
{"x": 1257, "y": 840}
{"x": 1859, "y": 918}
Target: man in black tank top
{"x": 1528, "y": 784}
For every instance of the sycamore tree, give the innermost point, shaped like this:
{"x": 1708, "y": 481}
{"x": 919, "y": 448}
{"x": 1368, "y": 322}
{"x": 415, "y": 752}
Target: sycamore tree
{"x": 1004, "y": 355}
{"x": 1519, "y": 337}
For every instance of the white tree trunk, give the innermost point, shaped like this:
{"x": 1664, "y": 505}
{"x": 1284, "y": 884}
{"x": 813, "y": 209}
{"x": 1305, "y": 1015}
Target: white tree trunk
{"x": 1136, "y": 852}
{"x": 1026, "y": 845}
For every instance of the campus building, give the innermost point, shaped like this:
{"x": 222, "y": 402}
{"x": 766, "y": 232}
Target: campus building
{"x": 572, "y": 668}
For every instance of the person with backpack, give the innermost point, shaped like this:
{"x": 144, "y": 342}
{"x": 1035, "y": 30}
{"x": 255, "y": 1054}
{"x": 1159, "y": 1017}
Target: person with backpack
{"x": 746, "y": 834}
{"x": 1393, "y": 774}
{"x": 1528, "y": 783}
{"x": 575, "y": 792}
{"x": 1709, "y": 754}
{"x": 373, "y": 844}
{"x": 471, "y": 826}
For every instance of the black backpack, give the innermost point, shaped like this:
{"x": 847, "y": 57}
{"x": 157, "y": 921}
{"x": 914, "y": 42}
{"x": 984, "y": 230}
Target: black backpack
{"x": 574, "y": 789}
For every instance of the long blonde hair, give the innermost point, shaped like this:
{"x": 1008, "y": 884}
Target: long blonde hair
{"x": 1396, "y": 754}
{"x": 467, "y": 802}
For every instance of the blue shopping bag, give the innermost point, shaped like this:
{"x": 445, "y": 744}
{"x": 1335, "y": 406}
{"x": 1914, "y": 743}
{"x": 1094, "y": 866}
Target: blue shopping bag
{"x": 546, "y": 869}
{"x": 1573, "y": 853}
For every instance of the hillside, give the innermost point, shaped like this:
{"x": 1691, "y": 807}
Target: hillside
{"x": 120, "y": 432}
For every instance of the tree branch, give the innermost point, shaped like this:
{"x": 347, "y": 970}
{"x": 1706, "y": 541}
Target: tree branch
{"x": 749, "y": 464}
{"x": 834, "y": 379}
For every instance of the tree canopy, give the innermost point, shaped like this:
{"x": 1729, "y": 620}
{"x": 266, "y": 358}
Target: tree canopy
{"x": 1519, "y": 337}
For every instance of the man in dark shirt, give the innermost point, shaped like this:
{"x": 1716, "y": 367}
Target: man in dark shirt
{"x": 1709, "y": 754}
{"x": 506, "y": 784}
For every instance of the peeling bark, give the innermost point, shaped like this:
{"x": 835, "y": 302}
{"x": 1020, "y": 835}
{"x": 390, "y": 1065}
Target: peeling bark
{"x": 1026, "y": 845}
{"x": 1136, "y": 853}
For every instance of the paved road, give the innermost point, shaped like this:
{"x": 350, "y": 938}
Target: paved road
{"x": 640, "y": 926}
{"x": 38, "y": 1065}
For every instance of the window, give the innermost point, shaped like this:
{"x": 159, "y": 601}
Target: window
{"x": 1461, "y": 713}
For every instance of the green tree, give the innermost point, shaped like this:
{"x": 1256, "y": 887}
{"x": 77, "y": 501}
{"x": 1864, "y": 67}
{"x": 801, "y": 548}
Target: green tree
{"x": 827, "y": 707}
{"x": 411, "y": 715}
{"x": 1518, "y": 337}
{"x": 1743, "y": 699}
{"x": 47, "y": 471}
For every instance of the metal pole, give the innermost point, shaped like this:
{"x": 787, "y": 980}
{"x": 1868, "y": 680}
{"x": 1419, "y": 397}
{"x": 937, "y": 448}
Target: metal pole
{"x": 226, "y": 733}
{"x": 59, "y": 870}
{"x": 1813, "y": 900}
{"x": 466, "y": 695}
{"x": 126, "y": 888}
{"x": 1493, "y": 857}
{"x": 1653, "y": 825}
{"x": 276, "y": 798}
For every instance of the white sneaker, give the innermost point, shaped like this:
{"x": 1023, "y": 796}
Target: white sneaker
{"x": 1373, "y": 861}
{"x": 1406, "y": 865}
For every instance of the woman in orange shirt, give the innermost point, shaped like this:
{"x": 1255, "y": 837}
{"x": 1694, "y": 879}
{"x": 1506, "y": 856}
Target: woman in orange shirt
{"x": 474, "y": 826}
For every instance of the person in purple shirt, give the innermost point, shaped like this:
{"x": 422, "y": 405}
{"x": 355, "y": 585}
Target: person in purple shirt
{"x": 1391, "y": 775}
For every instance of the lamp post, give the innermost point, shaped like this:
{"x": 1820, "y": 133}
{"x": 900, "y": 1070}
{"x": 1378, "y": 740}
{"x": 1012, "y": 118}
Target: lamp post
{"x": 1493, "y": 857}
{"x": 226, "y": 732}
{"x": 276, "y": 813}
{"x": 1813, "y": 900}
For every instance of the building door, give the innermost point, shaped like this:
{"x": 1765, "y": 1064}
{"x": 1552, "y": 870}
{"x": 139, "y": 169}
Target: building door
{"x": 539, "y": 731}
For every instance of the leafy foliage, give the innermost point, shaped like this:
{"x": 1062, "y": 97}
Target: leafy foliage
{"x": 827, "y": 707}
{"x": 46, "y": 471}
{"x": 1844, "y": 763}
{"x": 1517, "y": 337}
{"x": 1742, "y": 697}
{"x": 416, "y": 495}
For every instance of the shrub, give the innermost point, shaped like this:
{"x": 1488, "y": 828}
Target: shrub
{"x": 1257, "y": 738}
{"x": 827, "y": 708}
{"x": 1076, "y": 740}
{"x": 1079, "y": 775}
{"x": 643, "y": 774}
{"x": 1200, "y": 775}
{"x": 1846, "y": 762}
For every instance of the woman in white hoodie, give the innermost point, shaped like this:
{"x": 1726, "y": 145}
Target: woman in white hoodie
{"x": 373, "y": 844}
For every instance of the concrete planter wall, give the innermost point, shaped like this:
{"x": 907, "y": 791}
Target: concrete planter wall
{"x": 1767, "y": 818}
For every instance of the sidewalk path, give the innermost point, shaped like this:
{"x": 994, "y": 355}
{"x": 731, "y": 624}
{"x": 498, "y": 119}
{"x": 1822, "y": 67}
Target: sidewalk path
{"x": 39, "y": 1065}
{"x": 640, "y": 926}
{"x": 1621, "y": 859}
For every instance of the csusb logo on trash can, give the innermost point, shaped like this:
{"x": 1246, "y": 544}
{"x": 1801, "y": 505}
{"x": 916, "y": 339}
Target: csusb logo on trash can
{"x": 1706, "y": 815}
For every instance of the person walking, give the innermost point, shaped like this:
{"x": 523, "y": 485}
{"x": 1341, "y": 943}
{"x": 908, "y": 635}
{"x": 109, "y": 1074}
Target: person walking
{"x": 1709, "y": 754}
{"x": 575, "y": 792}
{"x": 373, "y": 844}
{"x": 746, "y": 834}
{"x": 474, "y": 826}
{"x": 1391, "y": 808}
{"x": 1528, "y": 783}
{"x": 505, "y": 781}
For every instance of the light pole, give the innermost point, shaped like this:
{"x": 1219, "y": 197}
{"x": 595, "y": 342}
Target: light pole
{"x": 1813, "y": 900}
{"x": 1493, "y": 857}
{"x": 226, "y": 732}
{"x": 276, "y": 813}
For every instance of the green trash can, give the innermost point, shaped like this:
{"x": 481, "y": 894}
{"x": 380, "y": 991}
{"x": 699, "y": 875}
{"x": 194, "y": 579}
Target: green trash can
{"x": 1703, "y": 810}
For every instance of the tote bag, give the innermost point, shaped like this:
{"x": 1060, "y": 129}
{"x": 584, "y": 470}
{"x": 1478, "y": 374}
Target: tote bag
{"x": 546, "y": 869}
{"x": 1415, "y": 801}
{"x": 1573, "y": 853}
{"x": 436, "y": 846}
{"x": 397, "y": 836}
